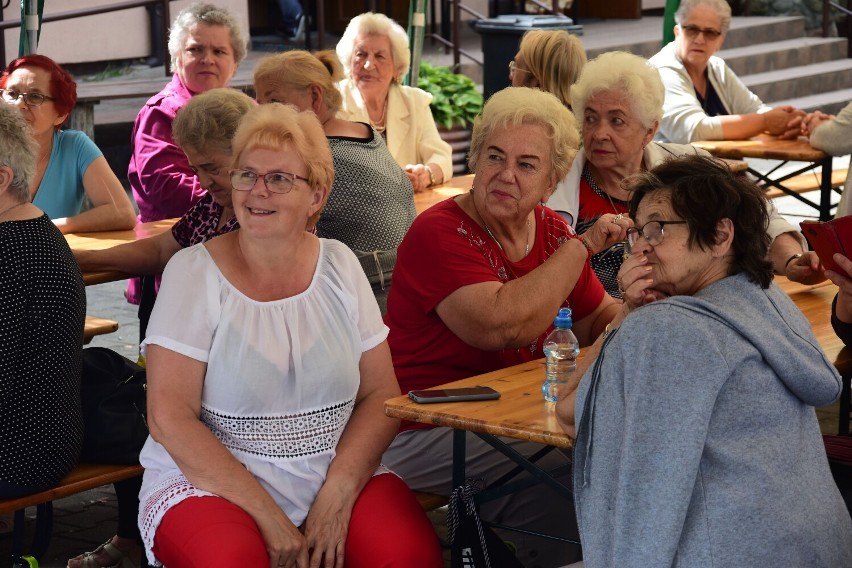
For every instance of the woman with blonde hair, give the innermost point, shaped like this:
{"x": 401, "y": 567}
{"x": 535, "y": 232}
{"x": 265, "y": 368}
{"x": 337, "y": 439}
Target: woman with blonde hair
{"x": 371, "y": 204}
{"x": 266, "y": 414}
{"x": 478, "y": 282}
{"x": 550, "y": 60}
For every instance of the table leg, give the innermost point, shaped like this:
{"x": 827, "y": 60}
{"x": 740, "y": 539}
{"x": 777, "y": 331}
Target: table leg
{"x": 825, "y": 190}
{"x": 459, "y": 452}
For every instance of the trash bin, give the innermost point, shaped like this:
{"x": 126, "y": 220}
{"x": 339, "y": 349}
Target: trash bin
{"x": 501, "y": 37}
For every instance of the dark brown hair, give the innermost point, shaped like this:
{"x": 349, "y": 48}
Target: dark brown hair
{"x": 703, "y": 192}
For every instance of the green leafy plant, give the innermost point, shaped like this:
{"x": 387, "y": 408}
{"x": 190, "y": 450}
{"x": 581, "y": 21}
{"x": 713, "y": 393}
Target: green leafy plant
{"x": 455, "y": 100}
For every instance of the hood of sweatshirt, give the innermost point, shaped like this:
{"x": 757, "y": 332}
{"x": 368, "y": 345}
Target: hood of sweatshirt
{"x": 782, "y": 334}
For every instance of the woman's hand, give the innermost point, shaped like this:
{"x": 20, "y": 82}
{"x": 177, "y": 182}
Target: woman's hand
{"x": 326, "y": 528}
{"x": 812, "y": 121}
{"x": 805, "y": 269}
{"x": 634, "y": 279}
{"x": 420, "y": 176}
{"x": 783, "y": 121}
{"x": 287, "y": 547}
{"x": 608, "y": 230}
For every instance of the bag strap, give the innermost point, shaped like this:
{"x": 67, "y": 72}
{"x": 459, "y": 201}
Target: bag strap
{"x": 464, "y": 496}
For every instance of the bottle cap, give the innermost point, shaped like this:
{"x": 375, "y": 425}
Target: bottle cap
{"x": 563, "y": 318}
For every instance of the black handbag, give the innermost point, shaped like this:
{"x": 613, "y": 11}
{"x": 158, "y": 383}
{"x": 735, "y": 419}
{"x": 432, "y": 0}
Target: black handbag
{"x": 112, "y": 394}
{"x": 474, "y": 544}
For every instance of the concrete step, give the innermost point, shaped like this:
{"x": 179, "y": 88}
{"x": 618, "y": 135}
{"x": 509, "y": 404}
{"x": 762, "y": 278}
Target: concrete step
{"x": 801, "y": 81}
{"x": 831, "y": 102}
{"x": 642, "y": 37}
{"x": 764, "y": 57}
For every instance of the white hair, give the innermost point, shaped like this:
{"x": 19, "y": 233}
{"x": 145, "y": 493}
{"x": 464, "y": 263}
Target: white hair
{"x": 17, "y": 151}
{"x": 371, "y": 23}
{"x": 623, "y": 72}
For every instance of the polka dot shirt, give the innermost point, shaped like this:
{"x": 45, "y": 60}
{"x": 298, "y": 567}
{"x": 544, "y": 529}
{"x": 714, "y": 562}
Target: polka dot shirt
{"x": 42, "y": 314}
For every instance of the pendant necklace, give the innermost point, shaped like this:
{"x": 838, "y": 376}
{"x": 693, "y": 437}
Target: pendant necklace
{"x": 488, "y": 229}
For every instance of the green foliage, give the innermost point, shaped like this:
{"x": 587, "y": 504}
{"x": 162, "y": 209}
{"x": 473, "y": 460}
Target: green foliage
{"x": 455, "y": 100}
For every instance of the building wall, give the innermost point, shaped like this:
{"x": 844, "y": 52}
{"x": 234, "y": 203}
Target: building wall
{"x": 113, "y": 36}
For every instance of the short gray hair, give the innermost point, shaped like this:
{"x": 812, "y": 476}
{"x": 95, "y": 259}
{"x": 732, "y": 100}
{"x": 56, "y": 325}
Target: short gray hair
{"x": 17, "y": 151}
{"x": 623, "y": 72}
{"x": 210, "y": 15}
{"x": 722, "y": 9}
{"x": 371, "y": 23}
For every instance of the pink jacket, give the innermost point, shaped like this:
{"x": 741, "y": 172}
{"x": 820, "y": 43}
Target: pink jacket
{"x": 163, "y": 185}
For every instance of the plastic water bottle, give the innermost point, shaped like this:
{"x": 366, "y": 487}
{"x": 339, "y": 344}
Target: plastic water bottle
{"x": 561, "y": 348}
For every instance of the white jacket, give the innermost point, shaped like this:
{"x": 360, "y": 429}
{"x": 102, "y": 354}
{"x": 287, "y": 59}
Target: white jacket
{"x": 835, "y": 138}
{"x": 683, "y": 118}
{"x": 412, "y": 136}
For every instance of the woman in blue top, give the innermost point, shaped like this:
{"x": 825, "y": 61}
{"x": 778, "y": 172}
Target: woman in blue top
{"x": 69, "y": 165}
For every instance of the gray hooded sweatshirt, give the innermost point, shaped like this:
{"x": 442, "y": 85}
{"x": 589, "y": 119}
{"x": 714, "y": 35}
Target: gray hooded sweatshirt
{"x": 698, "y": 444}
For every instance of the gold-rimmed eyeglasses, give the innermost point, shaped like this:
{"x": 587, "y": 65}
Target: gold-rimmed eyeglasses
{"x": 693, "y": 31}
{"x": 513, "y": 67}
{"x": 652, "y": 231}
{"x": 31, "y": 99}
{"x": 276, "y": 182}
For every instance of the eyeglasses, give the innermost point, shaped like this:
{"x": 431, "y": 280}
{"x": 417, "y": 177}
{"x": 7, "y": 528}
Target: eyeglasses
{"x": 31, "y": 99}
{"x": 652, "y": 231}
{"x": 276, "y": 182}
{"x": 514, "y": 67}
{"x": 693, "y": 31}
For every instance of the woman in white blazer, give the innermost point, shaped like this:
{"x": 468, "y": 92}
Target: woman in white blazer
{"x": 374, "y": 53}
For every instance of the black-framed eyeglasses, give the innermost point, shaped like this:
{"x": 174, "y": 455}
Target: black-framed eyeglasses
{"x": 31, "y": 99}
{"x": 693, "y": 31}
{"x": 514, "y": 67}
{"x": 652, "y": 231}
{"x": 276, "y": 182}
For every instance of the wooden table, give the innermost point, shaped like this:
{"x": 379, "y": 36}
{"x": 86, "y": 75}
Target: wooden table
{"x": 455, "y": 186}
{"x": 772, "y": 148}
{"x": 522, "y": 413}
{"x": 106, "y": 239}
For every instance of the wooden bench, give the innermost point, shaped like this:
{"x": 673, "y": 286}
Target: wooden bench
{"x": 97, "y": 326}
{"x": 806, "y": 183}
{"x": 82, "y": 478}
{"x": 430, "y": 501}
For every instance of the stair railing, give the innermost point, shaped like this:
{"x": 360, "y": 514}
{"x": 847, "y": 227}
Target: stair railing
{"x": 95, "y": 10}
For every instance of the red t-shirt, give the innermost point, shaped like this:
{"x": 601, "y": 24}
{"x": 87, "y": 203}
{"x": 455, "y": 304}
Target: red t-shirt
{"x": 444, "y": 250}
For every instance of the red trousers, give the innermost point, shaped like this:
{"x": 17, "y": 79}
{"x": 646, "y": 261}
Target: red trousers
{"x": 387, "y": 529}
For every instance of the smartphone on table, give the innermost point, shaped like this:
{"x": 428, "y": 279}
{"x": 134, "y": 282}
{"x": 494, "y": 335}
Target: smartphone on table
{"x": 453, "y": 395}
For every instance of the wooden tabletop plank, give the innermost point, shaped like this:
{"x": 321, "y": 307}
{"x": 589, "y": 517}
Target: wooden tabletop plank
{"x": 455, "y": 186}
{"x": 106, "y": 239}
{"x": 522, "y": 413}
{"x": 764, "y": 146}
{"x": 97, "y": 326}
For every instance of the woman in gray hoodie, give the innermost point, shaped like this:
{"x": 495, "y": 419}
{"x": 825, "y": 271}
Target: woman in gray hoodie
{"x": 697, "y": 441}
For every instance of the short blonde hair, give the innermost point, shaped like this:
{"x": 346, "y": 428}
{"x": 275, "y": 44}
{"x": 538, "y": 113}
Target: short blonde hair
{"x": 209, "y": 15}
{"x": 371, "y": 23}
{"x": 271, "y": 126}
{"x": 626, "y": 73}
{"x": 299, "y": 69}
{"x": 555, "y": 58}
{"x": 722, "y": 9}
{"x": 209, "y": 120}
{"x": 522, "y": 105}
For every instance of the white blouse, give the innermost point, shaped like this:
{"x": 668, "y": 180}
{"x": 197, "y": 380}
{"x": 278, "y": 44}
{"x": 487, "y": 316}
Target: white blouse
{"x": 281, "y": 377}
